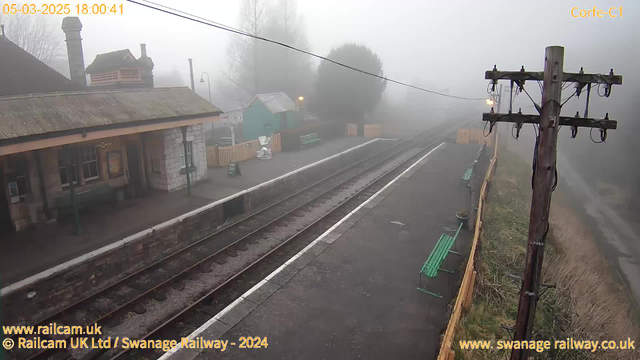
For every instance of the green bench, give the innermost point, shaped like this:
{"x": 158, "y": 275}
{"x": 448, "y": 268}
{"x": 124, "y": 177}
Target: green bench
{"x": 309, "y": 139}
{"x": 102, "y": 193}
{"x": 467, "y": 175}
{"x": 436, "y": 258}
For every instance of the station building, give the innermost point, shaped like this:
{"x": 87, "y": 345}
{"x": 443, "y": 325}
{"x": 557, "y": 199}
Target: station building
{"x": 67, "y": 145}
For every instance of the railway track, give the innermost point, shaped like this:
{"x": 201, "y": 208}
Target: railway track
{"x": 173, "y": 296}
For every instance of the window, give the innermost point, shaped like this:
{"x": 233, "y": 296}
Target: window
{"x": 64, "y": 174}
{"x": 89, "y": 162}
{"x": 157, "y": 158}
{"x": 189, "y": 154}
{"x": 17, "y": 179}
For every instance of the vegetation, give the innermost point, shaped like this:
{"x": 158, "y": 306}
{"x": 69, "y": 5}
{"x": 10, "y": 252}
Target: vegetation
{"x": 345, "y": 94}
{"x": 36, "y": 34}
{"x": 587, "y": 304}
{"x": 259, "y": 67}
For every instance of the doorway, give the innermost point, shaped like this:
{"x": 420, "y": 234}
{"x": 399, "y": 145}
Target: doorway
{"x": 5, "y": 215}
{"x": 135, "y": 176}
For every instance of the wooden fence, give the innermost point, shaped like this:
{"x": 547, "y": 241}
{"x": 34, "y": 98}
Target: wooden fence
{"x": 351, "y": 130}
{"x": 465, "y": 136}
{"x": 372, "y": 130}
{"x": 465, "y": 294}
{"x": 222, "y": 156}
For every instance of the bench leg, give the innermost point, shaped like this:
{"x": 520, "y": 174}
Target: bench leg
{"x": 447, "y": 271}
{"x": 430, "y": 293}
{"x": 455, "y": 252}
{"x": 424, "y": 290}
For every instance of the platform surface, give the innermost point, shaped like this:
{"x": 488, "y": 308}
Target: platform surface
{"x": 31, "y": 251}
{"x": 356, "y": 297}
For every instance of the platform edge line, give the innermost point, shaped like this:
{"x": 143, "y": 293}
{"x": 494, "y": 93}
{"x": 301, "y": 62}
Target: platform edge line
{"x": 141, "y": 234}
{"x": 242, "y": 297}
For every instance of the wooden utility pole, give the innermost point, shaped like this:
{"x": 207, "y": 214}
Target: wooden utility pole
{"x": 543, "y": 180}
{"x": 544, "y": 176}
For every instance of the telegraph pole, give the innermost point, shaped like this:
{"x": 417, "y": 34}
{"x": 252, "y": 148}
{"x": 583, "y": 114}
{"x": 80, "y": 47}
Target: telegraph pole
{"x": 543, "y": 180}
{"x": 544, "y": 176}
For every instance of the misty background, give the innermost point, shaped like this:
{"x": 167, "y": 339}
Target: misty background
{"x": 444, "y": 46}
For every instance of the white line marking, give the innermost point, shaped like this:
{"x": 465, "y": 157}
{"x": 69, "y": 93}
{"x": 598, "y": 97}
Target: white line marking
{"x": 142, "y": 234}
{"x": 229, "y": 307}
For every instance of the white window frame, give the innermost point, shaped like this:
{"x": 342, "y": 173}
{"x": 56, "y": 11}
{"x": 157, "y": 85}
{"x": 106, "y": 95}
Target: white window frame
{"x": 73, "y": 165}
{"x": 157, "y": 156}
{"x": 95, "y": 159}
{"x": 189, "y": 153}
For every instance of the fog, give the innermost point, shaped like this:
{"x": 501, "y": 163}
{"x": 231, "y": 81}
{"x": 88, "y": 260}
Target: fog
{"x": 440, "y": 45}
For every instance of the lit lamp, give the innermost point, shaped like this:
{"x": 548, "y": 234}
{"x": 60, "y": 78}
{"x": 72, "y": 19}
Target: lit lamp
{"x": 489, "y": 102}
{"x": 301, "y": 98}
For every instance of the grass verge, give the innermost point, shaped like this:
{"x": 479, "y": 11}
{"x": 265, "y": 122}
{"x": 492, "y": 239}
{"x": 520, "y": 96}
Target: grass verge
{"x": 587, "y": 304}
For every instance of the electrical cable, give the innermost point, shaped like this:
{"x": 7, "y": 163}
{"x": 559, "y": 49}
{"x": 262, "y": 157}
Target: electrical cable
{"x": 567, "y": 99}
{"x": 603, "y": 134}
{"x": 188, "y": 16}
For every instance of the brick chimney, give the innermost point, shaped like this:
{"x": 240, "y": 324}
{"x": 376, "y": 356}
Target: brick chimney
{"x": 72, "y": 26}
{"x": 147, "y": 72}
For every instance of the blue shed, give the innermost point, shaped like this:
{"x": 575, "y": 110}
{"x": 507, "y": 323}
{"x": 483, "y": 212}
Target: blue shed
{"x": 266, "y": 114}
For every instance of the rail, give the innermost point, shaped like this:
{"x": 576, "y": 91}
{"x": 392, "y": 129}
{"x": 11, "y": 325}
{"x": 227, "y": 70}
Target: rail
{"x": 100, "y": 318}
{"x": 185, "y": 312}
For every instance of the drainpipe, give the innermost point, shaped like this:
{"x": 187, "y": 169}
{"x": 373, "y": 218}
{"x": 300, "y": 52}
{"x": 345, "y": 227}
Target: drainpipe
{"x": 145, "y": 160}
{"x": 186, "y": 157}
{"x": 43, "y": 188}
{"x": 66, "y": 151}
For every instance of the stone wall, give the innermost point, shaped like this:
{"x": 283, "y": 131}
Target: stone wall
{"x": 171, "y": 173}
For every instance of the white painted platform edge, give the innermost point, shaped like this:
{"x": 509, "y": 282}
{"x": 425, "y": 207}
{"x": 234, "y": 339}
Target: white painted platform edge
{"x": 243, "y": 297}
{"x": 141, "y": 234}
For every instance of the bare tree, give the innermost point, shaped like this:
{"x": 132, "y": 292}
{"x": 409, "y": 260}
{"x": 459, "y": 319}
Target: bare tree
{"x": 243, "y": 51}
{"x": 36, "y": 34}
{"x": 256, "y": 66}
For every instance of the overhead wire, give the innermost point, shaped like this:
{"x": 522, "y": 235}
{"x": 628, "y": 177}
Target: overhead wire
{"x": 188, "y": 16}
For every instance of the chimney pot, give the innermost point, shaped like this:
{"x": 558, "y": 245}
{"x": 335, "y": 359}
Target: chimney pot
{"x": 143, "y": 50}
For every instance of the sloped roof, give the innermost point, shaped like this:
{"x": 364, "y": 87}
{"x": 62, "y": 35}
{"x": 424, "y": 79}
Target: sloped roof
{"x": 23, "y": 73}
{"x": 275, "y": 102}
{"x": 113, "y": 61}
{"x": 38, "y": 114}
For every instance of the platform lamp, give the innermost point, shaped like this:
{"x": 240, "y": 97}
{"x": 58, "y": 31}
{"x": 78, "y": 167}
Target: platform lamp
{"x": 300, "y": 103}
{"x": 208, "y": 83}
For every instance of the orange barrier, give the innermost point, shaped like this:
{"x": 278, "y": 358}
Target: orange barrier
{"x": 222, "y": 156}
{"x": 351, "y": 130}
{"x": 372, "y": 130}
{"x": 465, "y": 294}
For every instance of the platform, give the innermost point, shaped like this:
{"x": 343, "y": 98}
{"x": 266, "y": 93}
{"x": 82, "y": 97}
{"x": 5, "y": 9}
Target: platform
{"x": 352, "y": 292}
{"x": 29, "y": 252}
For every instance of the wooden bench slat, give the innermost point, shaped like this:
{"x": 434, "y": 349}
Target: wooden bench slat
{"x": 467, "y": 174}
{"x": 431, "y": 267}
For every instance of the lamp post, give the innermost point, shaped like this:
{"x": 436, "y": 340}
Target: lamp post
{"x": 208, "y": 83}
{"x": 300, "y": 104}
